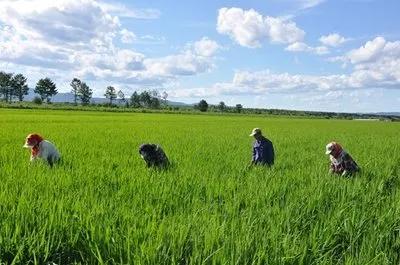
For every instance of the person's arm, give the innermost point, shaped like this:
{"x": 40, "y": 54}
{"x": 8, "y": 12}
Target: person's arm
{"x": 33, "y": 158}
{"x": 260, "y": 156}
{"x": 254, "y": 157}
{"x": 331, "y": 171}
{"x": 332, "y": 168}
{"x": 345, "y": 173}
{"x": 34, "y": 154}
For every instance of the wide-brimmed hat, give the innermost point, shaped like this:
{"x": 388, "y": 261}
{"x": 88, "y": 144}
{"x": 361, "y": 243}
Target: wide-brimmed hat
{"x": 332, "y": 146}
{"x": 255, "y": 131}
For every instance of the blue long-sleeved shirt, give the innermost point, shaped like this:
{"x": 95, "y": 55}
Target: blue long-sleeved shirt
{"x": 263, "y": 152}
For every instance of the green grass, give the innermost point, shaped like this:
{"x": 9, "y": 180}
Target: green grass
{"x": 102, "y": 206}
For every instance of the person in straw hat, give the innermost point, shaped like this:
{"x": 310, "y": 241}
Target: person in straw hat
{"x": 341, "y": 162}
{"x": 263, "y": 149}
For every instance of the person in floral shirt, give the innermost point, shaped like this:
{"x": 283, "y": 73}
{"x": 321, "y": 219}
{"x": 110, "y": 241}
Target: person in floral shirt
{"x": 341, "y": 162}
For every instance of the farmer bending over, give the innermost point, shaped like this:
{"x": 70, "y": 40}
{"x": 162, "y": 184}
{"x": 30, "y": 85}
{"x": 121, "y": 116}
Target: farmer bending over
{"x": 263, "y": 150}
{"x": 341, "y": 162}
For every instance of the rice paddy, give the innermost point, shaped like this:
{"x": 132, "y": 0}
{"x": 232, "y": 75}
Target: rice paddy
{"x": 101, "y": 205}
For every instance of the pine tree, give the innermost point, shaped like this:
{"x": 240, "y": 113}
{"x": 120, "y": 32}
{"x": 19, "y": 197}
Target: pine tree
{"x": 46, "y": 89}
{"x": 75, "y": 84}
{"x": 111, "y": 94}
{"x": 84, "y": 93}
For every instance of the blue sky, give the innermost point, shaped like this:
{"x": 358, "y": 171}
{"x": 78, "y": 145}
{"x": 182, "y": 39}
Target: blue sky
{"x": 341, "y": 55}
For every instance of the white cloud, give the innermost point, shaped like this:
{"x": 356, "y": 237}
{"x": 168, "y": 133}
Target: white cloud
{"x": 302, "y": 47}
{"x": 372, "y": 50}
{"x": 78, "y": 38}
{"x": 206, "y": 47}
{"x": 196, "y": 58}
{"x": 375, "y": 65}
{"x": 305, "y": 4}
{"x": 181, "y": 64}
{"x": 250, "y": 29}
{"x": 64, "y": 22}
{"x": 117, "y": 61}
{"x": 332, "y": 40}
{"x": 127, "y": 36}
{"x": 123, "y": 11}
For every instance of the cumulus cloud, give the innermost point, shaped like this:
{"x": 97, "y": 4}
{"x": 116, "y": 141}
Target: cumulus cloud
{"x": 206, "y": 47}
{"x": 49, "y": 33}
{"x": 121, "y": 10}
{"x": 332, "y": 40}
{"x": 127, "y": 36}
{"x": 79, "y": 38}
{"x": 59, "y": 22}
{"x": 374, "y": 65}
{"x": 379, "y": 74}
{"x": 249, "y": 28}
{"x": 196, "y": 58}
{"x": 372, "y": 50}
{"x": 302, "y": 47}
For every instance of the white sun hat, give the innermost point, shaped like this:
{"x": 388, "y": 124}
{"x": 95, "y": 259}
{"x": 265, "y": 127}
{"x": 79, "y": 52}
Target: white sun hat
{"x": 329, "y": 148}
{"x": 255, "y": 131}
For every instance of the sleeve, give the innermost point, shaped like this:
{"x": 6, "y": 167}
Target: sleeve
{"x": 254, "y": 157}
{"x": 33, "y": 158}
{"x": 332, "y": 166}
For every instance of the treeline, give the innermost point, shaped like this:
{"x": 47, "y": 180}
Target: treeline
{"x": 13, "y": 87}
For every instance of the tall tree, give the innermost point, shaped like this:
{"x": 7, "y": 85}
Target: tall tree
{"x": 164, "y": 97}
{"x": 111, "y": 94}
{"x": 155, "y": 99}
{"x": 75, "y": 84}
{"x": 19, "y": 86}
{"x": 222, "y": 106}
{"x": 5, "y": 86}
{"x": 238, "y": 108}
{"x": 145, "y": 99}
{"x": 155, "y": 103}
{"x": 121, "y": 96}
{"x": 46, "y": 89}
{"x": 135, "y": 100}
{"x": 203, "y": 105}
{"x": 84, "y": 93}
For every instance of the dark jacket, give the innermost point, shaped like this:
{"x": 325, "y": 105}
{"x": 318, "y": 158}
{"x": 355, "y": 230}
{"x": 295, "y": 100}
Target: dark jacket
{"x": 263, "y": 152}
{"x": 153, "y": 155}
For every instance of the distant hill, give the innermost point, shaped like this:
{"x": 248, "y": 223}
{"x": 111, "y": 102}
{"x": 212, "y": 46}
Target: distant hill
{"x": 388, "y": 113}
{"x": 69, "y": 98}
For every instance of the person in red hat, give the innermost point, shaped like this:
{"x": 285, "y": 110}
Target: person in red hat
{"x": 341, "y": 162}
{"x": 41, "y": 148}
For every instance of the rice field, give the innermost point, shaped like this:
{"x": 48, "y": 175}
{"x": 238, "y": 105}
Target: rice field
{"x": 101, "y": 205}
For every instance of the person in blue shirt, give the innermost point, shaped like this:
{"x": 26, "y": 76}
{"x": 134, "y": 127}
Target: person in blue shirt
{"x": 263, "y": 149}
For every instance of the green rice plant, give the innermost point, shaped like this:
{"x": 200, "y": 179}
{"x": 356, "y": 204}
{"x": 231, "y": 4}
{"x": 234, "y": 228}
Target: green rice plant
{"x": 101, "y": 205}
